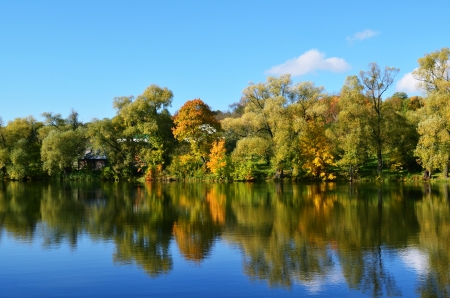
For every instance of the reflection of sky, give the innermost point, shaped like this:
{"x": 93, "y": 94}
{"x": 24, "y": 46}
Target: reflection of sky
{"x": 319, "y": 282}
{"x": 415, "y": 260}
{"x": 30, "y": 267}
{"x": 405, "y": 278}
{"x": 403, "y": 265}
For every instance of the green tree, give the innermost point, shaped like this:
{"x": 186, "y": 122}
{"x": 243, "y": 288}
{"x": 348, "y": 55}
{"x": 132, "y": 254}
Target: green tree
{"x": 433, "y": 72}
{"x": 433, "y": 147}
{"x": 60, "y": 149}
{"x": 263, "y": 116}
{"x": 310, "y": 151}
{"x": 106, "y": 135}
{"x": 350, "y": 132}
{"x": 368, "y": 126}
{"x": 63, "y": 141}
{"x": 375, "y": 83}
{"x": 20, "y": 148}
{"x": 401, "y": 131}
{"x": 288, "y": 118}
{"x": 140, "y": 133}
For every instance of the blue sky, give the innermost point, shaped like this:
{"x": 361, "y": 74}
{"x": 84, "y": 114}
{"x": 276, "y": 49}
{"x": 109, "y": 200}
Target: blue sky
{"x": 59, "y": 55}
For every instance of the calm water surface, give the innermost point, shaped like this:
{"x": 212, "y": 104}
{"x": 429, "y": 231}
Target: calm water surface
{"x": 224, "y": 240}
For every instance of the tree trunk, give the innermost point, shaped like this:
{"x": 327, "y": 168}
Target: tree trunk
{"x": 380, "y": 161}
{"x": 279, "y": 174}
{"x": 67, "y": 171}
{"x": 445, "y": 171}
{"x": 351, "y": 173}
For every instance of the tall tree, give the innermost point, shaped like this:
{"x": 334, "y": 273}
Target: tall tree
{"x": 310, "y": 149}
{"x": 433, "y": 72}
{"x": 350, "y": 132}
{"x": 402, "y": 130}
{"x": 375, "y": 83}
{"x": 433, "y": 147}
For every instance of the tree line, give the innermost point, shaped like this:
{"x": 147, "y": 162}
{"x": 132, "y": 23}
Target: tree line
{"x": 277, "y": 128}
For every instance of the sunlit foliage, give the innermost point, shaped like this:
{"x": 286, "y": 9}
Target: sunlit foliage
{"x": 196, "y": 124}
{"x": 217, "y": 163}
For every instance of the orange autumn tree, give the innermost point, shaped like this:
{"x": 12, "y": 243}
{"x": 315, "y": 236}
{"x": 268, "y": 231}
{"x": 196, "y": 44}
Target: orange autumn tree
{"x": 217, "y": 163}
{"x": 196, "y": 124}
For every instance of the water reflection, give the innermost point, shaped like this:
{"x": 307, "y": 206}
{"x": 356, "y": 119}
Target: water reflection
{"x": 433, "y": 215}
{"x": 289, "y": 233}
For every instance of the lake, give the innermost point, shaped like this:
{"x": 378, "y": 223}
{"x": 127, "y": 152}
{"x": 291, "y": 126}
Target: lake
{"x": 70, "y": 239}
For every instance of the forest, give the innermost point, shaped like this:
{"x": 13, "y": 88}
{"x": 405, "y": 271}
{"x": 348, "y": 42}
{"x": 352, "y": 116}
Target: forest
{"x": 278, "y": 129}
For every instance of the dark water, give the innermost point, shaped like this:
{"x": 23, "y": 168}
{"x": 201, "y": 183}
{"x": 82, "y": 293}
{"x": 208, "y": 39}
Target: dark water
{"x": 224, "y": 240}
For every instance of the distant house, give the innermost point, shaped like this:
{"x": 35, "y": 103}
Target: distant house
{"x": 92, "y": 160}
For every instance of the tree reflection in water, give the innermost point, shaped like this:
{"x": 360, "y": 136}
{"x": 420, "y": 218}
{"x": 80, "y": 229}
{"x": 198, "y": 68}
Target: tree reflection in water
{"x": 289, "y": 233}
{"x": 19, "y": 210}
{"x": 199, "y": 220}
{"x": 433, "y": 214}
{"x": 139, "y": 223}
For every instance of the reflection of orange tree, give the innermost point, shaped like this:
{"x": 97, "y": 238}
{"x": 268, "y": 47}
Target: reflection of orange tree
{"x": 200, "y": 214}
{"x": 217, "y": 205}
{"x": 194, "y": 239}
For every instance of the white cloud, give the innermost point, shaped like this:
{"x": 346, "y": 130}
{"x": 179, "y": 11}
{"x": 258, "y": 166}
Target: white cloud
{"x": 407, "y": 84}
{"x": 310, "y": 61}
{"x": 365, "y": 34}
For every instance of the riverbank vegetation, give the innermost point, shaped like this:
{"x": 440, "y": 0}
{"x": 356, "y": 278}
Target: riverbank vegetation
{"x": 278, "y": 130}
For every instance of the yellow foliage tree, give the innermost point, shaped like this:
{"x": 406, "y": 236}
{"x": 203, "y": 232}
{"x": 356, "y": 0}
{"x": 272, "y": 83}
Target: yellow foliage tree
{"x": 217, "y": 159}
{"x": 315, "y": 151}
